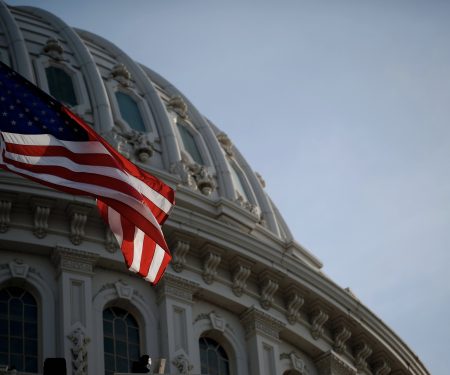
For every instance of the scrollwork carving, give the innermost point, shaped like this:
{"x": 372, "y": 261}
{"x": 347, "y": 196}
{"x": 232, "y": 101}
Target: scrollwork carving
{"x": 78, "y": 217}
{"x": 54, "y": 49}
{"x": 182, "y": 364}
{"x": 241, "y": 272}
{"x": 5, "y": 214}
{"x": 139, "y": 143}
{"x": 211, "y": 262}
{"x": 121, "y": 74}
{"x": 226, "y": 143}
{"x": 269, "y": 286}
{"x": 362, "y": 352}
{"x": 294, "y": 303}
{"x": 178, "y": 105}
{"x": 79, "y": 351}
{"x": 180, "y": 251}
{"x": 194, "y": 175}
{"x": 381, "y": 367}
{"x": 340, "y": 338}
{"x": 319, "y": 318}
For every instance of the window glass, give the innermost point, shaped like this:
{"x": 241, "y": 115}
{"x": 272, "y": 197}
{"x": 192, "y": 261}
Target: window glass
{"x": 120, "y": 340}
{"x": 213, "y": 357}
{"x": 60, "y": 85}
{"x": 18, "y": 329}
{"x": 129, "y": 110}
{"x": 189, "y": 144}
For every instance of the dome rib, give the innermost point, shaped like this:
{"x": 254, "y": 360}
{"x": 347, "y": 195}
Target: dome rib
{"x": 18, "y": 49}
{"x": 97, "y": 92}
{"x": 162, "y": 122}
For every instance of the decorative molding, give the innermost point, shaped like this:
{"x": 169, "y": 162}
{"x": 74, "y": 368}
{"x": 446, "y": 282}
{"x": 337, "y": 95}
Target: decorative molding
{"x": 241, "y": 269}
{"x": 79, "y": 351}
{"x": 139, "y": 143}
{"x": 121, "y": 74}
{"x": 194, "y": 175}
{"x": 294, "y": 303}
{"x": 54, "y": 49}
{"x": 78, "y": 216}
{"x": 5, "y": 214}
{"x": 297, "y": 362}
{"x": 269, "y": 286}
{"x": 341, "y": 336}
{"x": 381, "y": 367}
{"x": 211, "y": 261}
{"x": 182, "y": 364}
{"x": 18, "y": 268}
{"x": 318, "y": 319}
{"x": 41, "y": 209}
{"x": 332, "y": 364}
{"x": 66, "y": 259}
{"x": 241, "y": 201}
{"x": 260, "y": 179}
{"x": 124, "y": 290}
{"x": 178, "y": 105}
{"x": 226, "y": 143}
{"x": 179, "y": 252}
{"x": 255, "y": 322}
{"x": 362, "y": 352}
{"x": 176, "y": 287}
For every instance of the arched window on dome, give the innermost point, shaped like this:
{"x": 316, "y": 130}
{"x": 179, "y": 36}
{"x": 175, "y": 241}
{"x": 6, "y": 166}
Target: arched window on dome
{"x": 130, "y": 112}
{"x": 238, "y": 182}
{"x": 189, "y": 144}
{"x": 121, "y": 340}
{"x": 60, "y": 85}
{"x": 214, "y": 359}
{"x": 18, "y": 329}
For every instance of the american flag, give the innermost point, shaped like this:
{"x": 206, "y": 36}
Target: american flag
{"x": 42, "y": 140}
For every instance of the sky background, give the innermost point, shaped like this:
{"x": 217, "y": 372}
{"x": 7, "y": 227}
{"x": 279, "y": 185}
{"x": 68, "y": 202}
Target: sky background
{"x": 344, "y": 108}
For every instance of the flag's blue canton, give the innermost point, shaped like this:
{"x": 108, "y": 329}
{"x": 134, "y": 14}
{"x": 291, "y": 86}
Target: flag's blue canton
{"x": 25, "y": 109}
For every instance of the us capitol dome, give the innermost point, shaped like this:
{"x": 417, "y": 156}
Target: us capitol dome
{"x": 241, "y": 296}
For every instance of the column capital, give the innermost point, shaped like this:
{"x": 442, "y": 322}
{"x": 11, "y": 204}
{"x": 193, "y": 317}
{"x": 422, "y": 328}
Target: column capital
{"x": 258, "y": 322}
{"x": 68, "y": 259}
{"x": 331, "y": 363}
{"x": 176, "y": 287}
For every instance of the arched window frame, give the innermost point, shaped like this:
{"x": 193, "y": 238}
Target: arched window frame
{"x": 43, "y": 62}
{"x": 209, "y": 335}
{"x": 29, "y": 288}
{"x": 198, "y": 139}
{"x": 4, "y": 57}
{"x": 130, "y": 310}
{"x": 108, "y": 297}
{"x": 114, "y": 86}
{"x": 249, "y": 195}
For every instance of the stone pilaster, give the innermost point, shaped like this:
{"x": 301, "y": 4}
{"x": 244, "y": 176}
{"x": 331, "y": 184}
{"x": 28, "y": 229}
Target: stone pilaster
{"x": 175, "y": 299}
{"x": 262, "y": 334}
{"x": 75, "y": 269}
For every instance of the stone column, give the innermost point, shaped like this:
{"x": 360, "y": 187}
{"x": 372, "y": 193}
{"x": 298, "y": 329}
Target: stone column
{"x": 74, "y": 312}
{"x": 331, "y": 363}
{"x": 262, "y": 335}
{"x": 175, "y": 306}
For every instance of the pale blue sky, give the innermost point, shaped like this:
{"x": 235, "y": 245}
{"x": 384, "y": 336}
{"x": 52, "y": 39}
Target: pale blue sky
{"x": 344, "y": 109}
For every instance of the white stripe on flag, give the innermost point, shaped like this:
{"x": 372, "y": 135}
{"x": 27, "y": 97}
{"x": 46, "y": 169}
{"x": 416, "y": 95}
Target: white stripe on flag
{"x": 115, "y": 223}
{"x": 138, "y": 248}
{"x": 158, "y": 258}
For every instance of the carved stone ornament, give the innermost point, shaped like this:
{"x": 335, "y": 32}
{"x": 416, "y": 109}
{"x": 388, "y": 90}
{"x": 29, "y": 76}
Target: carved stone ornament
{"x": 258, "y": 322}
{"x": 18, "y": 268}
{"x": 140, "y": 145}
{"x": 121, "y": 74}
{"x": 340, "y": 338}
{"x": 178, "y": 105}
{"x": 124, "y": 290}
{"x": 194, "y": 175}
{"x": 318, "y": 319}
{"x": 241, "y": 201}
{"x": 217, "y": 321}
{"x": 331, "y": 364}
{"x": 79, "y": 351}
{"x": 260, "y": 179}
{"x": 5, "y": 214}
{"x": 78, "y": 216}
{"x": 182, "y": 364}
{"x": 362, "y": 352}
{"x": 381, "y": 367}
{"x": 269, "y": 286}
{"x": 54, "y": 49}
{"x": 294, "y": 303}
{"x": 211, "y": 261}
{"x": 242, "y": 269}
{"x": 296, "y": 362}
{"x": 179, "y": 253}
{"x": 41, "y": 212}
{"x": 226, "y": 143}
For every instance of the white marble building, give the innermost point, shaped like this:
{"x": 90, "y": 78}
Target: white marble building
{"x": 241, "y": 296}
